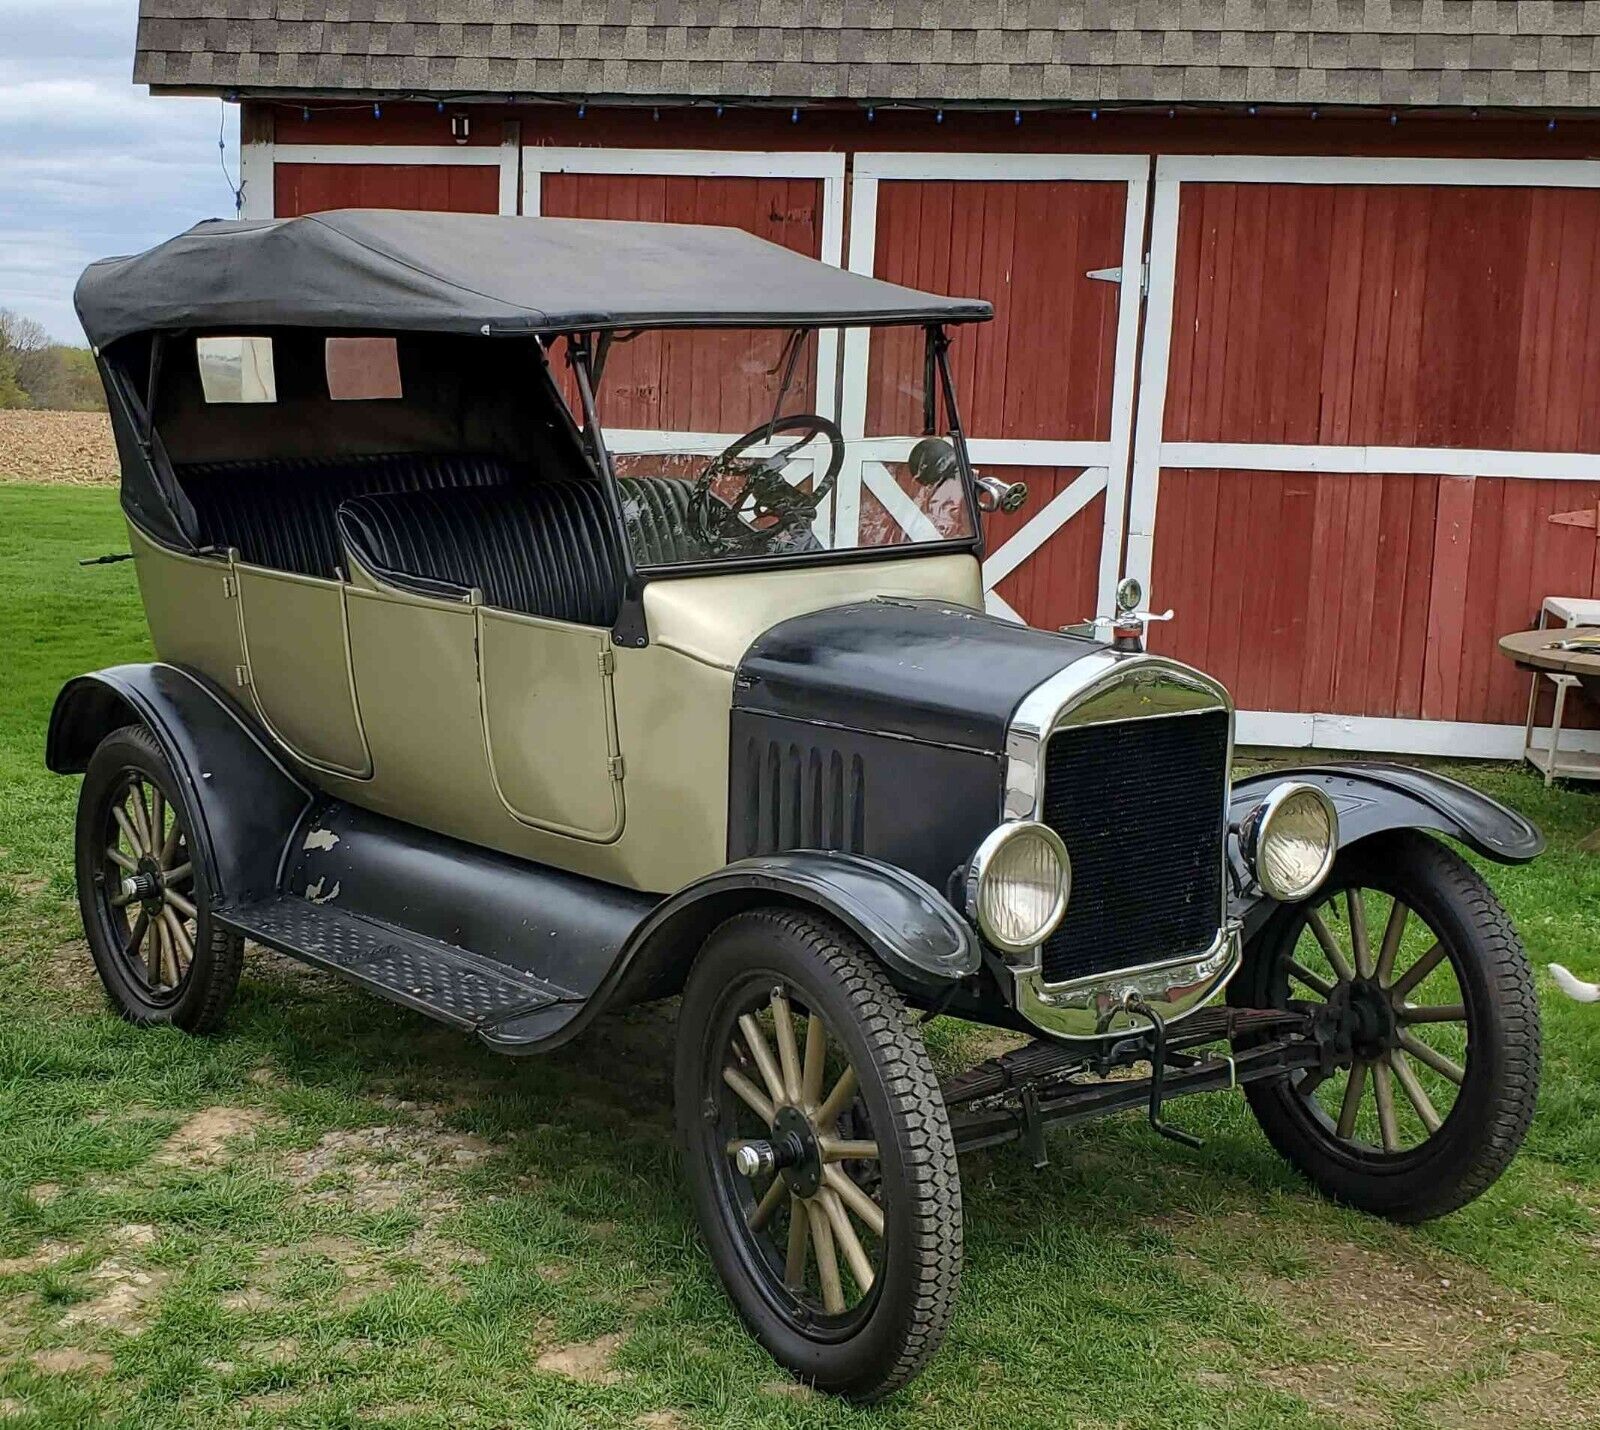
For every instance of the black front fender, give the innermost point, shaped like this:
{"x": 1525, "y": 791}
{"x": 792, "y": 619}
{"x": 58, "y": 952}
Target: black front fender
{"x": 1373, "y": 797}
{"x": 239, "y": 801}
{"x": 912, "y": 930}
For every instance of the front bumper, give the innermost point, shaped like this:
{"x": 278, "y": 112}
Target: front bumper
{"x": 1096, "y": 1006}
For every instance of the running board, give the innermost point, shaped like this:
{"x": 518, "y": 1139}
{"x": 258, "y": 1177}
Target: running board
{"x": 450, "y": 984}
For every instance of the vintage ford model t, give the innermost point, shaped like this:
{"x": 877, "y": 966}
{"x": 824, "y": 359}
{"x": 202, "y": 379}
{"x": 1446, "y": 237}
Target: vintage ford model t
{"x": 514, "y": 719}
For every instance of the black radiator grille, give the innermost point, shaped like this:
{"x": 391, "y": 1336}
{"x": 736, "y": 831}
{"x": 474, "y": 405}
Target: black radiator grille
{"x": 1139, "y": 805}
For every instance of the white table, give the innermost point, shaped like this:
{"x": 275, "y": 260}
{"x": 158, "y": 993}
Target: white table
{"x": 1550, "y": 759}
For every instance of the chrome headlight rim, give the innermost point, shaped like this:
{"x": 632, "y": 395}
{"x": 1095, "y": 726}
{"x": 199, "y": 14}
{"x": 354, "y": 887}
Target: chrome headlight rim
{"x": 1257, "y": 829}
{"x": 993, "y": 844}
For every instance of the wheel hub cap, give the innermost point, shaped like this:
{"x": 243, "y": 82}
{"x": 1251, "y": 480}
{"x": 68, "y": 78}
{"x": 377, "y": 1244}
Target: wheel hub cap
{"x": 145, "y": 885}
{"x": 1369, "y": 1018}
{"x": 802, "y": 1167}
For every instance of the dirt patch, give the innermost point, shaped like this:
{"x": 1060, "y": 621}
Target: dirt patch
{"x": 661, "y": 1420}
{"x": 1400, "y": 1320}
{"x": 203, "y": 1140}
{"x": 1340, "y": 1395}
{"x": 790, "y": 1389}
{"x": 363, "y": 1275}
{"x": 588, "y": 1361}
{"x": 62, "y": 448}
{"x": 1409, "y": 1316}
{"x": 47, "y": 1253}
{"x": 69, "y": 970}
{"x": 408, "y": 1166}
{"x": 124, "y": 1300}
{"x": 68, "y": 1360}
{"x": 1533, "y": 1391}
{"x": 279, "y": 1352}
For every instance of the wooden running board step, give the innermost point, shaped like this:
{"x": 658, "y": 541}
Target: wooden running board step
{"x": 460, "y": 988}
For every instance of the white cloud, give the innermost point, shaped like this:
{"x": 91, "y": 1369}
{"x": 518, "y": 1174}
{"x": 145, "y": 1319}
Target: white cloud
{"x": 92, "y": 164}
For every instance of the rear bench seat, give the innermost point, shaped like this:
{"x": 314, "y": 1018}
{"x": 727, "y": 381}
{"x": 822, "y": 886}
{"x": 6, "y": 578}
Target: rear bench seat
{"x": 281, "y": 512}
{"x": 546, "y": 548}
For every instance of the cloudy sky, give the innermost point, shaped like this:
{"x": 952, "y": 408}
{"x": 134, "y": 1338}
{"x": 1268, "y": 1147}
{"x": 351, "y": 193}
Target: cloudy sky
{"x": 90, "y": 165}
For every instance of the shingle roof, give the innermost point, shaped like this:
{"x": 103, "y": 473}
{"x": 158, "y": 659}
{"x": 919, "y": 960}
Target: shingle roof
{"x": 1400, "y": 52}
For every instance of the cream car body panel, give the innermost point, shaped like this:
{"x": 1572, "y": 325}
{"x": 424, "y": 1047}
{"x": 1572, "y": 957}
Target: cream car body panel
{"x": 503, "y": 729}
{"x": 713, "y": 619}
{"x": 186, "y": 602}
{"x": 297, "y": 654}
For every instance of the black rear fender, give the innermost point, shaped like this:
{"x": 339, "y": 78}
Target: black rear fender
{"x": 239, "y": 801}
{"x": 1374, "y": 797}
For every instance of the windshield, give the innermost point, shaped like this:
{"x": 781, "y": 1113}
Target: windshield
{"x": 734, "y": 444}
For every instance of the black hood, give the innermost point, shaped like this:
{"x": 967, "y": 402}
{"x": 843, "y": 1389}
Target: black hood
{"x": 925, "y": 670}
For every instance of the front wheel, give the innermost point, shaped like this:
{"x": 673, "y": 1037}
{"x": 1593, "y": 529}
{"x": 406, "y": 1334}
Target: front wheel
{"x": 1426, "y": 989}
{"x": 818, "y": 1152}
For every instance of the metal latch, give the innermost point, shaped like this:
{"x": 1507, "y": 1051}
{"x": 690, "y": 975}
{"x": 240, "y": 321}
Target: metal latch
{"x": 1114, "y": 275}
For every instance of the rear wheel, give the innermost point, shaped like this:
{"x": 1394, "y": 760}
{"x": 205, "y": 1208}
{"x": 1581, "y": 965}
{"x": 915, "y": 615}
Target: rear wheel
{"x": 142, "y": 892}
{"x": 818, "y": 1152}
{"x": 1424, "y": 983}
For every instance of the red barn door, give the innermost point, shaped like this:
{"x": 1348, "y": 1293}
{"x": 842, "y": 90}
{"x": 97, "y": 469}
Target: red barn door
{"x": 1367, "y": 384}
{"x": 671, "y": 392}
{"x": 1046, "y": 390}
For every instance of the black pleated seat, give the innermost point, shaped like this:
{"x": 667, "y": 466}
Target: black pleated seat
{"x": 282, "y": 512}
{"x": 545, "y": 548}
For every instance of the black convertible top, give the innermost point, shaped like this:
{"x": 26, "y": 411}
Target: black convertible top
{"x": 482, "y": 273}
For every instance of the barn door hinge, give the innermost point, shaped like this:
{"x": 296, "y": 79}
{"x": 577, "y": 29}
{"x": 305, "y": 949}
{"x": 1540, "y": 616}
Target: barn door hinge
{"x": 1114, "y": 275}
{"x": 614, "y": 765}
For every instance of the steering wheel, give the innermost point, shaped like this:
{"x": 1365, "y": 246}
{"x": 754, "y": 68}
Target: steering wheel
{"x": 766, "y": 513}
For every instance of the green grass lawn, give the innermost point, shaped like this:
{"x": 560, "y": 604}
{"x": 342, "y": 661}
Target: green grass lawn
{"x": 337, "y": 1213}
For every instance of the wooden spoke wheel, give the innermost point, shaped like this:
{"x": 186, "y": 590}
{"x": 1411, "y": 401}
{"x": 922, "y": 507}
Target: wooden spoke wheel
{"x": 1424, "y": 992}
{"x": 818, "y": 1152}
{"x": 144, "y": 905}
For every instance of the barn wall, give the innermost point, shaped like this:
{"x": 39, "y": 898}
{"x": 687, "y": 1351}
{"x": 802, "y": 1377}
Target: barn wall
{"x": 1298, "y": 333}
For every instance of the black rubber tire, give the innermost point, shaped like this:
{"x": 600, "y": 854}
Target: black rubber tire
{"x": 203, "y": 998}
{"x": 1485, "y": 1127}
{"x": 921, "y": 1274}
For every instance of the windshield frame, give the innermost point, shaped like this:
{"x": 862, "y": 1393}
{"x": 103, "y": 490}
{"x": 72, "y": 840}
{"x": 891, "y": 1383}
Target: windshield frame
{"x": 585, "y": 356}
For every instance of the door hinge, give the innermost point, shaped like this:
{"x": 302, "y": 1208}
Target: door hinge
{"x": 608, "y": 661}
{"x": 614, "y": 765}
{"x": 241, "y": 675}
{"x": 1114, "y": 275}
{"x": 230, "y": 588}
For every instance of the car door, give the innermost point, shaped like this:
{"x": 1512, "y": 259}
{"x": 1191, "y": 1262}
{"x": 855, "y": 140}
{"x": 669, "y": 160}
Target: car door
{"x": 296, "y": 646}
{"x": 550, "y": 724}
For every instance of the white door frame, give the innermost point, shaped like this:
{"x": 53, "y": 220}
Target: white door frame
{"x": 258, "y": 160}
{"x": 539, "y": 160}
{"x": 1106, "y": 462}
{"x": 1152, "y": 452}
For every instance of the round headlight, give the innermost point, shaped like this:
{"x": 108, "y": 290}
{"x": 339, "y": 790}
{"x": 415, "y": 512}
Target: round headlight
{"x": 1290, "y": 839}
{"x": 1017, "y": 885}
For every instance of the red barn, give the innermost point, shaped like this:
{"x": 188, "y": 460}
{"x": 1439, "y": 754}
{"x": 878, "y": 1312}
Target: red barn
{"x": 1298, "y": 300}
